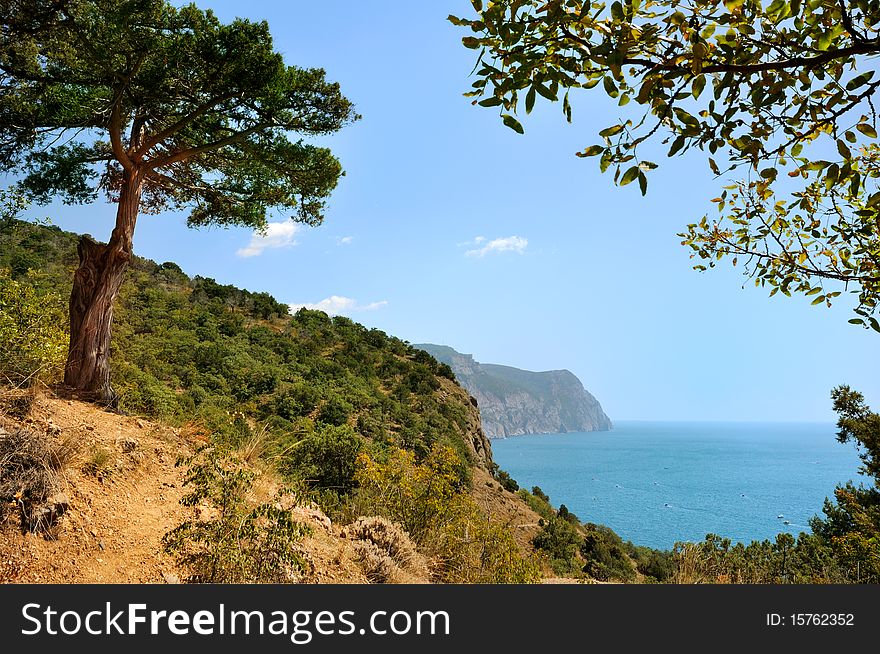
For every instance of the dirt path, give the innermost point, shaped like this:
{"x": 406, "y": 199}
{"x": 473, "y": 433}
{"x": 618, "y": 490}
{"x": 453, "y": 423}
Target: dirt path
{"x": 119, "y": 510}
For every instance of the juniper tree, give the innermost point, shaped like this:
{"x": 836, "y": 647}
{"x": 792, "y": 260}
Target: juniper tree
{"x": 158, "y": 108}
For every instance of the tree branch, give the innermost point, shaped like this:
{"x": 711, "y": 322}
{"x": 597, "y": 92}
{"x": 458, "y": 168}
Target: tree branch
{"x": 200, "y": 111}
{"x": 866, "y": 47}
{"x": 192, "y": 152}
{"x": 115, "y": 129}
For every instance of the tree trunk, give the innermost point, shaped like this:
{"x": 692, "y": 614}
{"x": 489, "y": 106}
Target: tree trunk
{"x": 96, "y": 284}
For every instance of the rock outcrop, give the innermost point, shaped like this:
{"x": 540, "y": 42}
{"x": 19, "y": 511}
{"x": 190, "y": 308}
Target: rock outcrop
{"x": 514, "y": 401}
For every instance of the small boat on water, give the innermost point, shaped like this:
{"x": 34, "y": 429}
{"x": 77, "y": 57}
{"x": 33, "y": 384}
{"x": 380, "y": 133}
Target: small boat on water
{"x": 786, "y": 522}
{"x": 780, "y": 516}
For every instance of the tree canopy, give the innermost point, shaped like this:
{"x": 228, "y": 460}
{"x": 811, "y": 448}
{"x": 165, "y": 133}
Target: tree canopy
{"x": 93, "y": 89}
{"x": 778, "y": 95}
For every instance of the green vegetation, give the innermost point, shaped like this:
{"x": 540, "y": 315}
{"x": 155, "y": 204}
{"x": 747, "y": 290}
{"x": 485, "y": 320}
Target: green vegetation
{"x": 578, "y": 549}
{"x": 428, "y": 501}
{"x": 32, "y": 328}
{"x": 234, "y": 543}
{"x": 220, "y": 359}
{"x": 362, "y": 422}
{"x": 780, "y": 93}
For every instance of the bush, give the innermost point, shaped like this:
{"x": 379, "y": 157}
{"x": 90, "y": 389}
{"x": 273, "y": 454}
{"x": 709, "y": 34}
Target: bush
{"x": 232, "y": 542}
{"x": 503, "y": 477}
{"x": 560, "y": 540}
{"x": 474, "y": 550}
{"x": 33, "y": 331}
{"x": 416, "y": 496}
{"x": 606, "y": 555}
{"x": 428, "y": 501}
{"x": 28, "y": 474}
{"x": 325, "y": 458}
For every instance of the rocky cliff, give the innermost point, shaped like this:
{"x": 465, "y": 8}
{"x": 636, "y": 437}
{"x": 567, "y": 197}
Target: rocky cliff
{"x": 514, "y": 401}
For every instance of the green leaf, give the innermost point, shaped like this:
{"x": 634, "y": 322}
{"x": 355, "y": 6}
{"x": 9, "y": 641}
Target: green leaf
{"x": 512, "y": 123}
{"x": 698, "y": 85}
{"x": 867, "y": 130}
{"x": 591, "y": 151}
{"x": 610, "y": 87}
{"x": 490, "y": 102}
{"x": 818, "y": 300}
{"x": 611, "y": 131}
{"x": 631, "y": 174}
{"x": 862, "y": 79}
{"x": 643, "y": 182}
{"x": 530, "y": 100}
{"x": 843, "y": 149}
{"x": 544, "y": 91}
{"x": 731, "y": 5}
{"x": 677, "y": 145}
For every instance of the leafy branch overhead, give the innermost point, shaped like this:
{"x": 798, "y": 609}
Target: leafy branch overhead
{"x": 779, "y": 93}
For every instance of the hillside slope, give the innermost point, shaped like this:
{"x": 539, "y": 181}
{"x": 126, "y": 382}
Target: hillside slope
{"x": 335, "y": 409}
{"x": 514, "y": 401}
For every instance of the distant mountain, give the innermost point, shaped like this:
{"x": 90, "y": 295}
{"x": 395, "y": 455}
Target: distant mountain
{"x": 514, "y": 401}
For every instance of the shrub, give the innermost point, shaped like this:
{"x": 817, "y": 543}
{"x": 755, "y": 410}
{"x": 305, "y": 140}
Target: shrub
{"x": 231, "y": 541}
{"x": 325, "y": 458}
{"x": 33, "y": 331}
{"x": 503, "y": 477}
{"x": 560, "y": 540}
{"x": 427, "y": 500}
{"x": 606, "y": 555}
{"x": 28, "y": 474}
{"x": 416, "y": 496}
{"x": 475, "y": 550}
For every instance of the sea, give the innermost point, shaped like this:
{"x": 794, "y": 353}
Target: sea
{"x": 656, "y": 483}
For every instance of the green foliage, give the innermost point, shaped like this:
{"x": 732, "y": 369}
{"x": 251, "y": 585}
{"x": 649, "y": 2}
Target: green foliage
{"x": 418, "y": 497}
{"x": 197, "y": 352}
{"x": 325, "y": 458}
{"x": 503, "y": 477}
{"x": 851, "y": 527}
{"x": 655, "y": 566}
{"x": 560, "y": 540}
{"x": 429, "y": 501}
{"x": 769, "y": 91}
{"x": 538, "y": 501}
{"x": 33, "y": 330}
{"x": 606, "y": 556}
{"x": 233, "y": 542}
{"x": 196, "y": 113}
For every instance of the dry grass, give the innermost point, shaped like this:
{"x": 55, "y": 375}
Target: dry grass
{"x": 385, "y": 551}
{"x": 29, "y": 473}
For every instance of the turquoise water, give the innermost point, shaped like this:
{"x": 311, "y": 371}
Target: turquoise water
{"x": 656, "y": 483}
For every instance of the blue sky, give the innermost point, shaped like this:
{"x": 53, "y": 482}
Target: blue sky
{"x": 451, "y": 228}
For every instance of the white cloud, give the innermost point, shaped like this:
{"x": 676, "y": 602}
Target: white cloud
{"x": 277, "y": 235}
{"x": 345, "y": 240}
{"x": 516, "y": 244}
{"x": 338, "y": 304}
